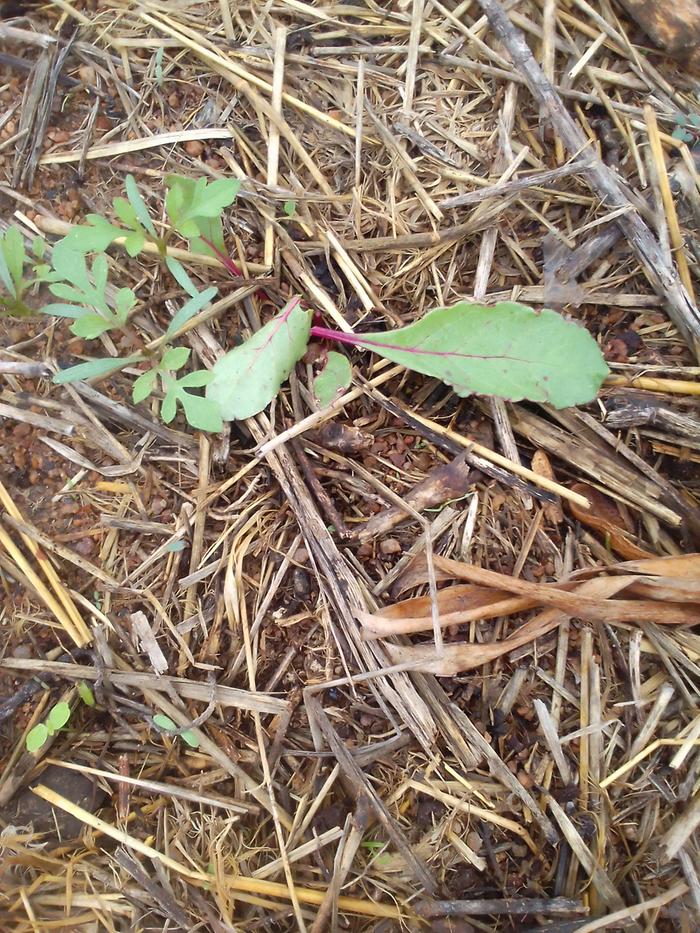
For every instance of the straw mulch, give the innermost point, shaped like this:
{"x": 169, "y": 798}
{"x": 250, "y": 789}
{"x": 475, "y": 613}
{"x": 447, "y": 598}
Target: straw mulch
{"x": 438, "y": 654}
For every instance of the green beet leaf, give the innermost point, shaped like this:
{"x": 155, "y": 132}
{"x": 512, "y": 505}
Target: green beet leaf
{"x": 247, "y": 378}
{"x": 333, "y": 379}
{"x": 509, "y": 350}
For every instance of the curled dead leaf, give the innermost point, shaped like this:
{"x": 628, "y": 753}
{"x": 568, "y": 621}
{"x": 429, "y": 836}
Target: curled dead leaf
{"x": 604, "y": 516}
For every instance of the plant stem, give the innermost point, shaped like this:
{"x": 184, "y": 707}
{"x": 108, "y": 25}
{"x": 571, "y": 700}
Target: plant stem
{"x": 325, "y": 333}
{"x": 225, "y": 260}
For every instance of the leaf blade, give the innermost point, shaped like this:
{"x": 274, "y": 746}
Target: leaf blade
{"x": 190, "y": 308}
{"x": 143, "y": 386}
{"x": 175, "y": 358}
{"x": 139, "y": 205}
{"x": 247, "y": 378}
{"x": 514, "y": 353}
{"x": 59, "y": 716}
{"x": 37, "y": 738}
{"x": 333, "y": 379}
{"x": 91, "y": 369}
{"x": 201, "y": 413}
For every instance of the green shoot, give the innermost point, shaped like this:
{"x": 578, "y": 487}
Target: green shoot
{"x": 13, "y": 258}
{"x": 58, "y": 717}
{"x": 165, "y": 724}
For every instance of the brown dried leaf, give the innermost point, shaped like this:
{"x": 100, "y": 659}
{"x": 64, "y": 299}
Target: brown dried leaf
{"x": 456, "y": 605}
{"x": 604, "y": 516}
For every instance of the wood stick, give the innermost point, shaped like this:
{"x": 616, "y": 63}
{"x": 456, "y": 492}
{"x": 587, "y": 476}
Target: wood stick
{"x": 273, "y": 150}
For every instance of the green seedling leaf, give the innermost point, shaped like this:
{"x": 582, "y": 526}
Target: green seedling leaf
{"x": 94, "y": 236}
{"x": 61, "y": 290}
{"x": 211, "y": 230}
{"x": 87, "y": 290}
{"x": 174, "y": 546}
{"x": 289, "y": 208}
{"x": 189, "y": 229}
{"x": 174, "y": 358}
{"x": 12, "y": 247}
{"x": 168, "y": 407}
{"x": 694, "y": 119}
{"x": 68, "y": 265}
{"x": 76, "y": 284}
{"x": 682, "y": 134}
{"x": 202, "y": 413}
{"x": 134, "y": 195}
{"x": 167, "y": 725}
{"x": 37, "y": 738}
{"x": 179, "y": 273}
{"x": 39, "y": 247}
{"x": 100, "y": 271}
{"x": 188, "y": 201}
{"x": 134, "y": 242}
{"x": 58, "y": 717}
{"x": 211, "y": 199}
{"x": 90, "y": 326}
{"x": 91, "y": 369}
{"x": 189, "y": 309}
{"x": 144, "y": 385}
{"x": 373, "y": 845}
{"x": 509, "y": 350}
{"x": 124, "y": 302}
{"x": 61, "y": 310}
{"x": 333, "y": 379}
{"x": 164, "y": 722}
{"x": 197, "y": 379}
{"x": 126, "y": 213}
{"x": 5, "y": 275}
{"x": 85, "y": 693}
{"x": 247, "y": 378}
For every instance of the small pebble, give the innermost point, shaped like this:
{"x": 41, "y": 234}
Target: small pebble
{"x": 85, "y": 546}
{"x": 390, "y": 546}
{"x": 86, "y": 74}
{"x": 474, "y": 841}
{"x": 22, "y": 651}
{"x": 301, "y": 583}
{"x": 194, "y": 147}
